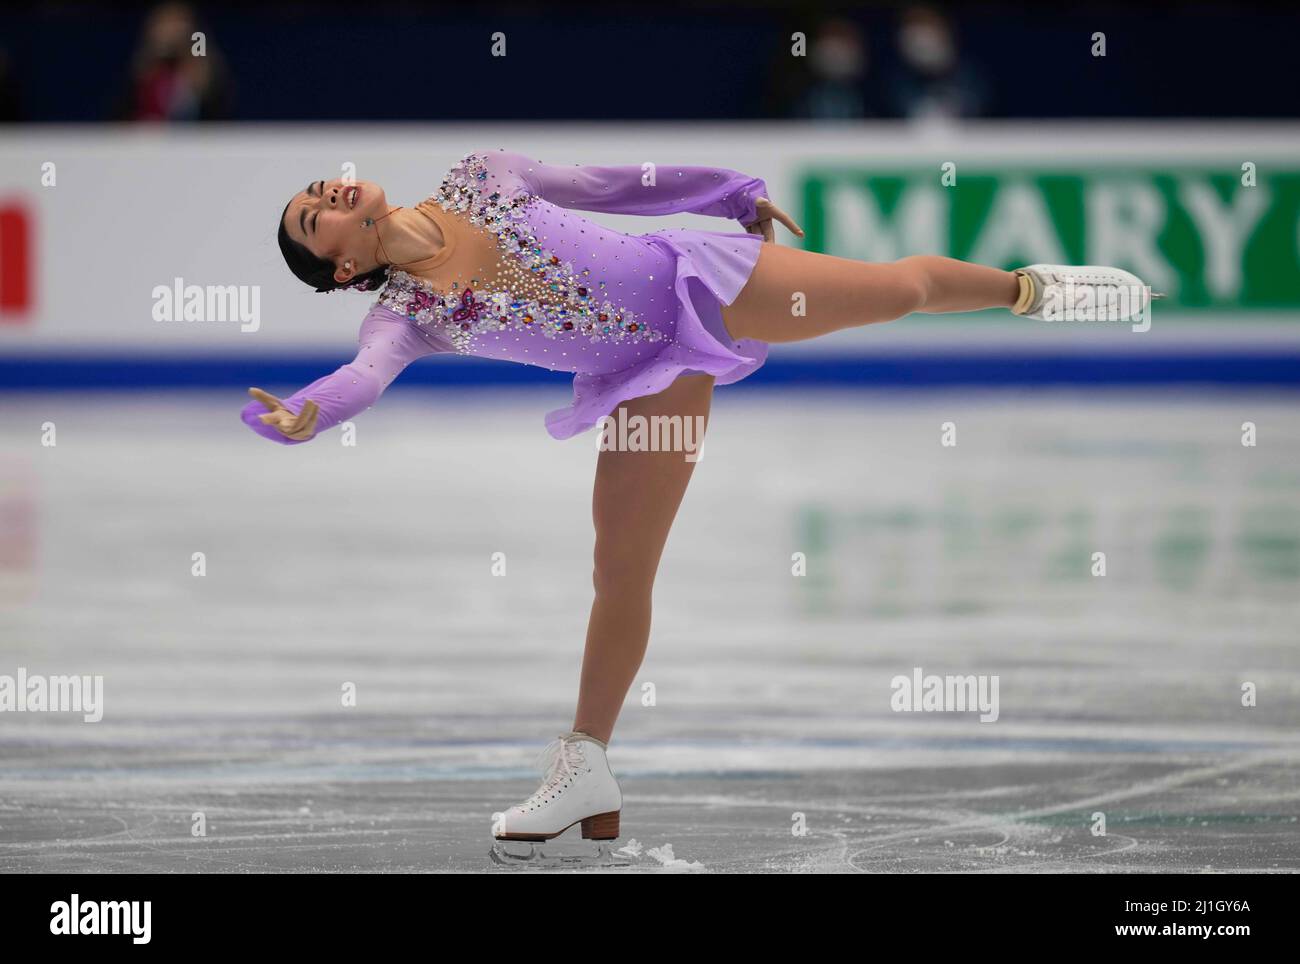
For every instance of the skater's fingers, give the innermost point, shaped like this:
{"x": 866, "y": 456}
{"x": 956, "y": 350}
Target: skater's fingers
{"x": 304, "y": 426}
{"x": 762, "y": 227}
{"x": 766, "y": 211}
{"x": 788, "y": 221}
{"x": 266, "y": 398}
{"x": 312, "y": 411}
{"x": 294, "y": 425}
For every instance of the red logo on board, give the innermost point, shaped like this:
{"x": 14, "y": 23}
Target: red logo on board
{"x": 15, "y": 261}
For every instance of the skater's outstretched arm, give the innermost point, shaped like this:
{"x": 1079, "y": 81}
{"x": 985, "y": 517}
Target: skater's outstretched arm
{"x": 649, "y": 189}
{"x": 387, "y": 347}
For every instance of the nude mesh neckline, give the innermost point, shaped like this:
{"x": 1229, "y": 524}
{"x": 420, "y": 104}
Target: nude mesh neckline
{"x": 426, "y": 207}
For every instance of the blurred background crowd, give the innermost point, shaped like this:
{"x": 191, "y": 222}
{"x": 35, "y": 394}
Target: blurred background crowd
{"x": 619, "y": 60}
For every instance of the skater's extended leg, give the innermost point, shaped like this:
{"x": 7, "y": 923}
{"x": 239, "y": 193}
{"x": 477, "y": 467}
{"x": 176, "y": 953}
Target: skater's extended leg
{"x": 794, "y": 295}
{"x": 633, "y": 506}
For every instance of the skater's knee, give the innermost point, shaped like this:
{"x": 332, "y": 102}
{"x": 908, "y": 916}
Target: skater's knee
{"x": 910, "y": 285}
{"x": 621, "y": 575}
{"x": 626, "y": 582}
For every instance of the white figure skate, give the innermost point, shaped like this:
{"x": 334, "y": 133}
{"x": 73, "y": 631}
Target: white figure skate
{"x": 578, "y": 787}
{"x": 1058, "y": 292}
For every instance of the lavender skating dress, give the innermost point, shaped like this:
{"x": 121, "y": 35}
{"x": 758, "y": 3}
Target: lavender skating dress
{"x": 523, "y": 279}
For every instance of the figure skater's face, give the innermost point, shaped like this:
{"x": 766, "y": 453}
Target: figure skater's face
{"x": 326, "y": 217}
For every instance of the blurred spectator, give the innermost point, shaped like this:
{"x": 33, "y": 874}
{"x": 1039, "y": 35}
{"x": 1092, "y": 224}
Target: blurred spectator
{"x": 10, "y": 100}
{"x": 837, "y": 57}
{"x": 830, "y": 83}
{"x": 931, "y": 79}
{"x": 168, "y": 81}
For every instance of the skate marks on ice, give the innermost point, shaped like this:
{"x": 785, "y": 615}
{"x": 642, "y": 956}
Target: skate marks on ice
{"x": 1188, "y": 815}
{"x": 1193, "y": 816}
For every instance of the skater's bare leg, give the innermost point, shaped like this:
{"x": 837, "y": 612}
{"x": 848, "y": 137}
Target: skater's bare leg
{"x": 633, "y": 506}
{"x": 837, "y": 293}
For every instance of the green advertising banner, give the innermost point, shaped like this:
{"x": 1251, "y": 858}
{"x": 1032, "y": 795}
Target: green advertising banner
{"x": 1210, "y": 238}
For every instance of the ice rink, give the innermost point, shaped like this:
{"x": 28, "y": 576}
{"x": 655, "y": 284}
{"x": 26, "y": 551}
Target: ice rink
{"x": 371, "y": 565}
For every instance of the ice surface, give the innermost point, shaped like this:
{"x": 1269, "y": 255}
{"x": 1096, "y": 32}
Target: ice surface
{"x": 329, "y": 565}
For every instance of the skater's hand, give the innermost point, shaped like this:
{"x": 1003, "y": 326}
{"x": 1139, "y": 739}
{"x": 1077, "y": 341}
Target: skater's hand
{"x": 767, "y": 212}
{"x": 298, "y": 427}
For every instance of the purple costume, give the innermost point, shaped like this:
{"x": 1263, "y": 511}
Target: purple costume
{"x": 523, "y": 279}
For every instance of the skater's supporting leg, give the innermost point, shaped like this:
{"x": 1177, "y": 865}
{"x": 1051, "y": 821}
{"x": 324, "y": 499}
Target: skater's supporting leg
{"x": 633, "y": 506}
{"x": 794, "y": 295}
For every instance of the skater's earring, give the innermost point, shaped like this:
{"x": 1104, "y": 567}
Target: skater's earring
{"x": 367, "y": 222}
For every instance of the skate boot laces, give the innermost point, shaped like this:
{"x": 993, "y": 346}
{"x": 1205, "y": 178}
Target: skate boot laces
{"x": 1106, "y": 290}
{"x": 560, "y": 761}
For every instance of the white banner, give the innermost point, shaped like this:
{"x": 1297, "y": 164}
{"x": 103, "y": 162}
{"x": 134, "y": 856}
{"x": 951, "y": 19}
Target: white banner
{"x": 96, "y": 222}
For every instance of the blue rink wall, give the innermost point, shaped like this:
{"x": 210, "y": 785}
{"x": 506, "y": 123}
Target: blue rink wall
{"x": 903, "y": 370}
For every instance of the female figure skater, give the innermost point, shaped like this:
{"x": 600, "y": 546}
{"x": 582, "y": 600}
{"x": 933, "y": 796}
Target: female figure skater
{"x": 494, "y": 264}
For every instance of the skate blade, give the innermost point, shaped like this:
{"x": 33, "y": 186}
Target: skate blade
{"x": 549, "y": 855}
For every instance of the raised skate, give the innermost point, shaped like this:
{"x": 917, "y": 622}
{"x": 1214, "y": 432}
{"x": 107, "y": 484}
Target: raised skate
{"x": 1057, "y": 292}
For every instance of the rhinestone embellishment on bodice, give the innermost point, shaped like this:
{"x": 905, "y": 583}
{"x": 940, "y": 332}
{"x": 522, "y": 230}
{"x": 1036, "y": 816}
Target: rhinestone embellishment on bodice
{"x": 537, "y": 291}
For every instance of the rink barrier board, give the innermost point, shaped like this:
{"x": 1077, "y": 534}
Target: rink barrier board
{"x": 1208, "y": 213}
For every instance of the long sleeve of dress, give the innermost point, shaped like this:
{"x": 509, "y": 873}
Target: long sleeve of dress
{"x": 650, "y": 189}
{"x": 388, "y": 345}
